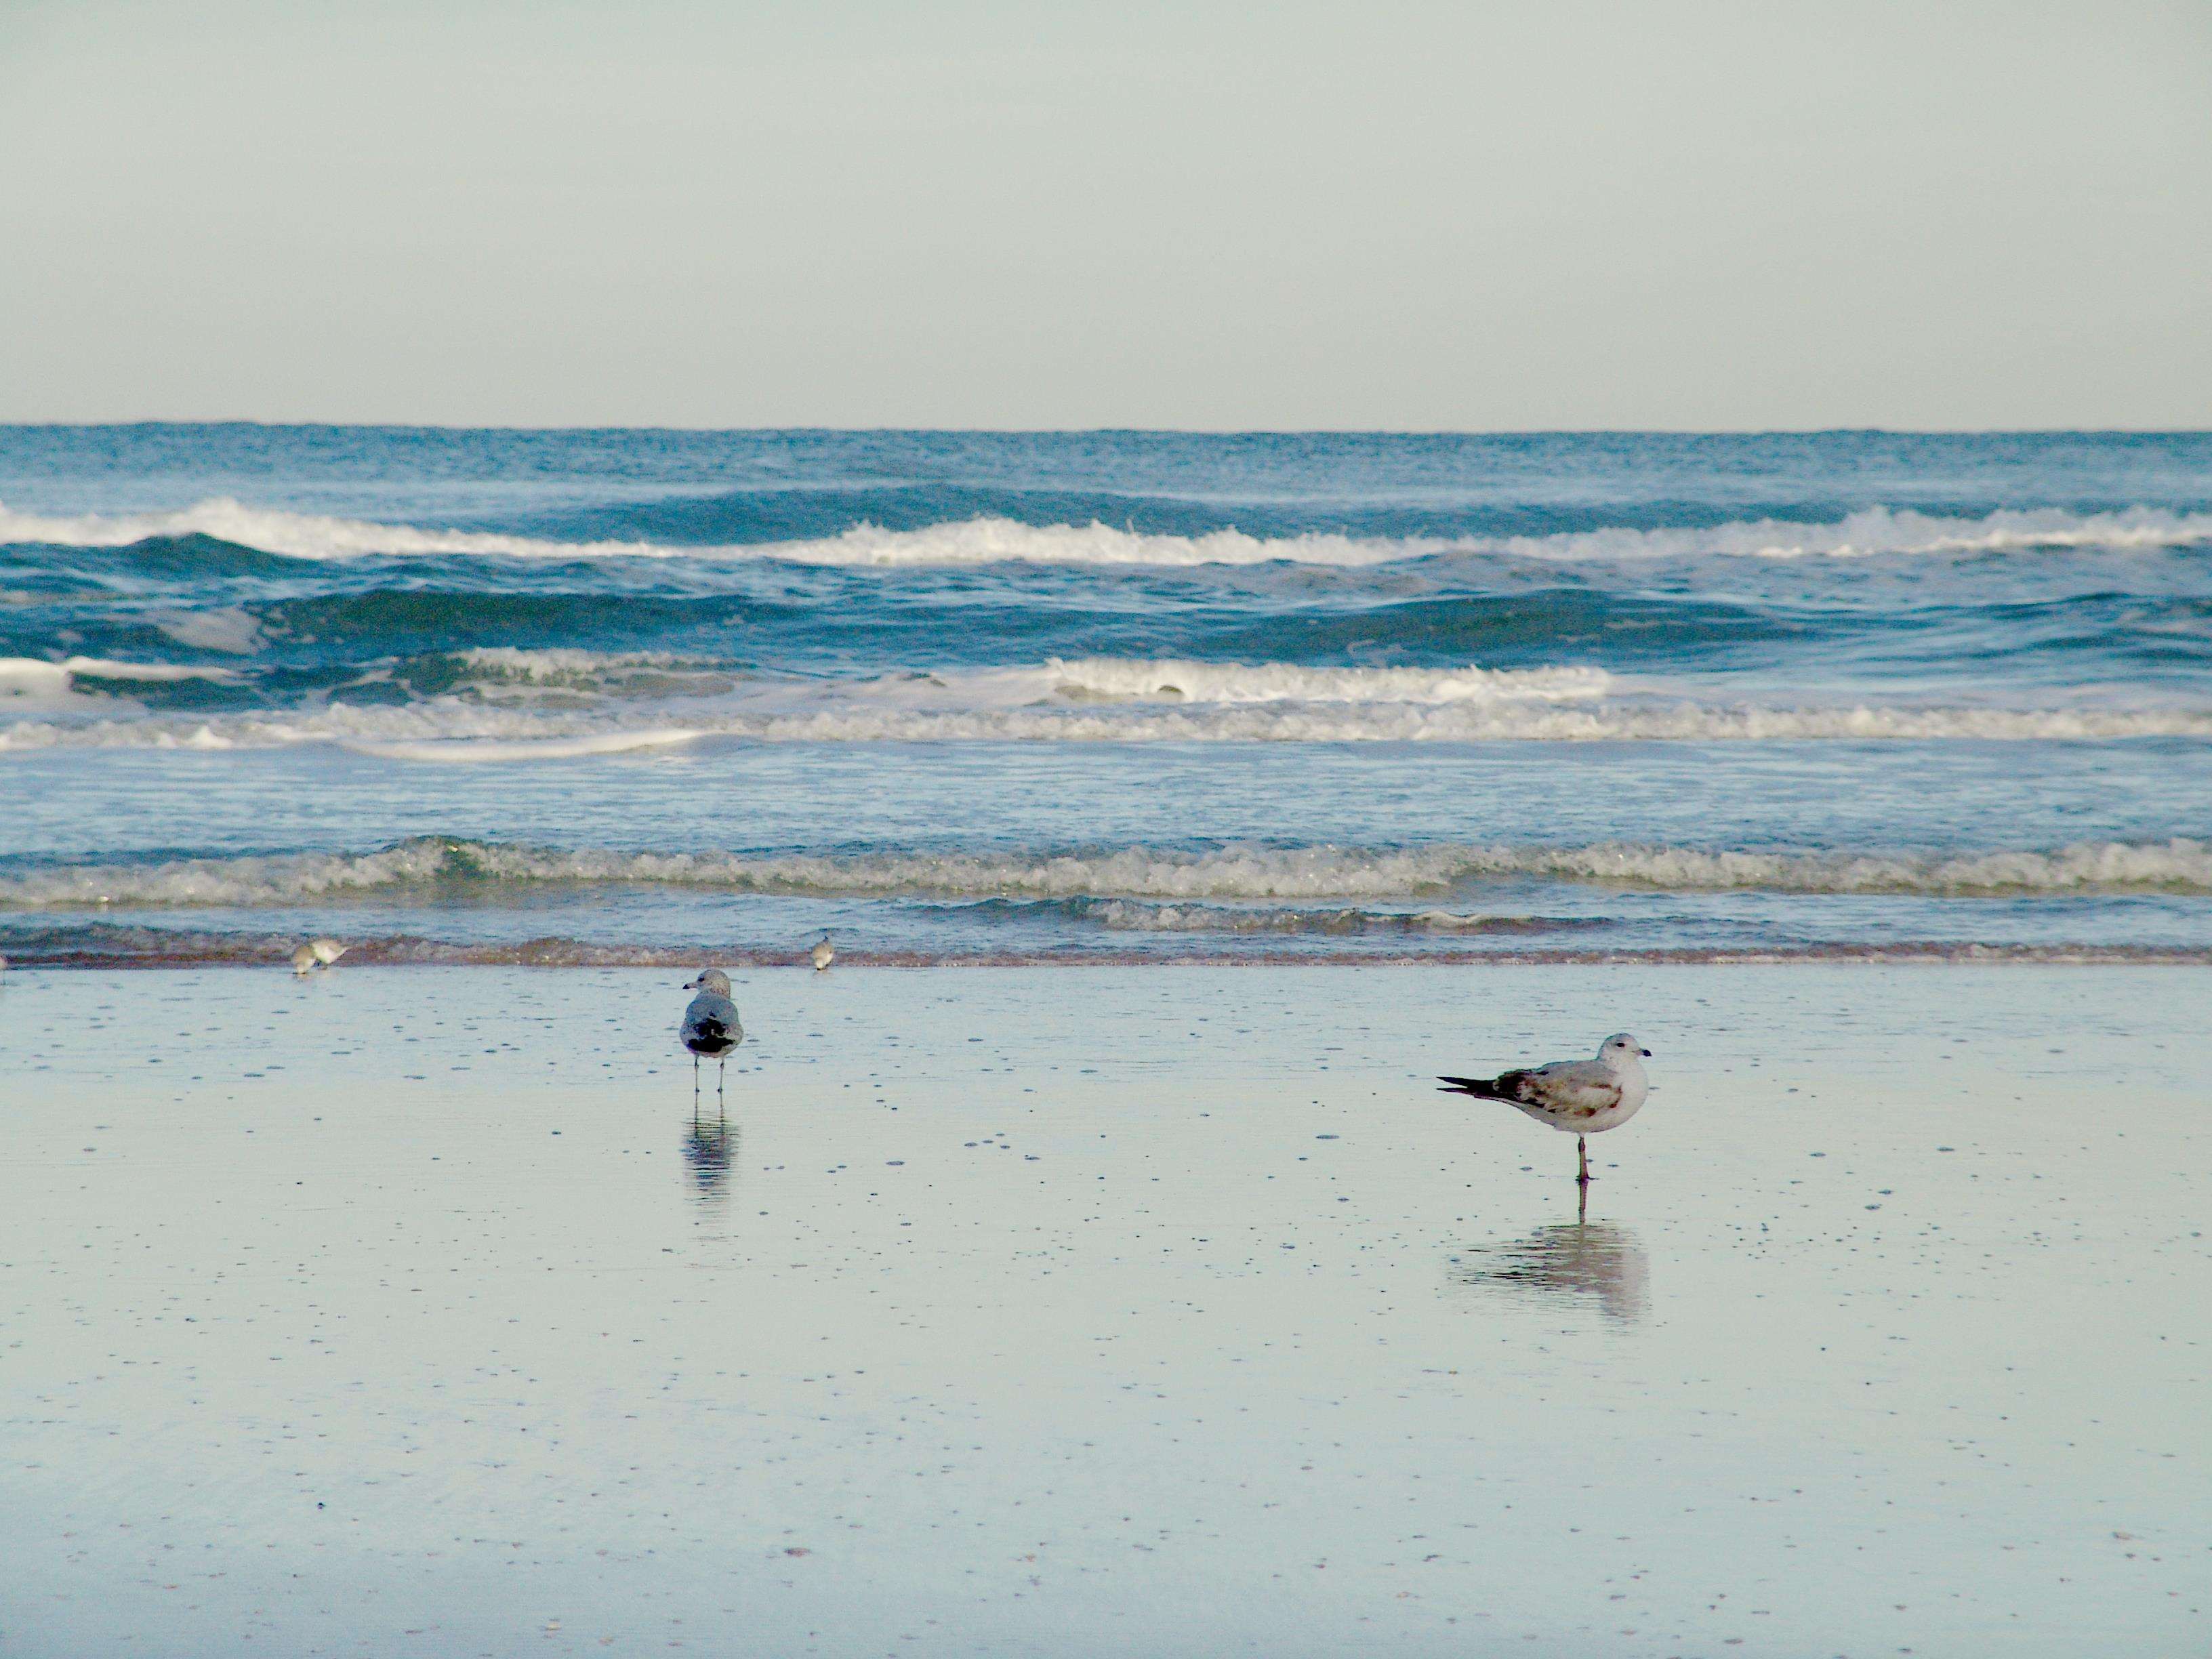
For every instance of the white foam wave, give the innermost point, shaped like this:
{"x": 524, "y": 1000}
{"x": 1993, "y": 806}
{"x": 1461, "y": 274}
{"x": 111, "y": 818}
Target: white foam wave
{"x": 230, "y": 628}
{"x": 497, "y": 669}
{"x": 1879, "y": 530}
{"x": 484, "y": 749}
{"x": 560, "y": 663}
{"x": 575, "y": 677}
{"x": 37, "y": 671}
{"x": 75, "y": 943}
{"x": 34, "y": 682}
{"x": 472, "y": 728}
{"x": 28, "y": 681}
{"x": 1143, "y": 916}
{"x": 1170, "y": 679}
{"x": 293, "y": 535}
{"x": 517, "y": 704}
{"x": 973, "y": 541}
{"x": 986, "y": 541}
{"x": 2179, "y": 866}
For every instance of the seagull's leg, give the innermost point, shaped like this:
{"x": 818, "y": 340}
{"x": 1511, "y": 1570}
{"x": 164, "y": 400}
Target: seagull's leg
{"x": 721, "y": 1075}
{"x": 695, "y": 1085}
{"x": 1582, "y": 1160}
{"x": 1581, "y": 1202}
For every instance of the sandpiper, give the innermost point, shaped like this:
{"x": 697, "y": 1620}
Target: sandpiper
{"x": 316, "y": 953}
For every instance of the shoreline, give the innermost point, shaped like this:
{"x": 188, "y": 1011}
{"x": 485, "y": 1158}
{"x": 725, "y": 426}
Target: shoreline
{"x": 567, "y": 954}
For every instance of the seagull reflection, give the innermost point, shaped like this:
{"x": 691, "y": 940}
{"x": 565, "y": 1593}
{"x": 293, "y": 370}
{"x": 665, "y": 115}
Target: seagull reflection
{"x": 708, "y": 1147}
{"x": 1559, "y": 1264}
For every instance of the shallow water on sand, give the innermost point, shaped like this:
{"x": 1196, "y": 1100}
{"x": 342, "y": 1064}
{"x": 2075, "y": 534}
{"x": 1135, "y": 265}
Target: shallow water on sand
{"x": 1162, "y": 1311}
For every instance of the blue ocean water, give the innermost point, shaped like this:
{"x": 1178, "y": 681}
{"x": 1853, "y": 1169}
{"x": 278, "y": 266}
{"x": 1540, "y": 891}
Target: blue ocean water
{"x": 637, "y": 696}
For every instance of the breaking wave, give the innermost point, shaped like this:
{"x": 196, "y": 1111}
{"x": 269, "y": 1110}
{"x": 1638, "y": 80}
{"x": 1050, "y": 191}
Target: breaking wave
{"x": 33, "y": 681}
{"x": 1146, "y": 916}
{"x": 503, "y": 704}
{"x": 991, "y": 540}
{"x": 2179, "y": 866}
{"x": 457, "y": 731}
{"x": 1099, "y": 679}
{"x": 104, "y": 945}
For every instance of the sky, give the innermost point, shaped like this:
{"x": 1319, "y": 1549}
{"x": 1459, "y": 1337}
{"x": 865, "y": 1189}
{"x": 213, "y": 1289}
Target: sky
{"x": 1394, "y": 214}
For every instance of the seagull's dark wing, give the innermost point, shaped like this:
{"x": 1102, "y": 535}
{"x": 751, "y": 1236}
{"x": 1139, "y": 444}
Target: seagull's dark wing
{"x": 1501, "y": 1087}
{"x": 710, "y": 1026}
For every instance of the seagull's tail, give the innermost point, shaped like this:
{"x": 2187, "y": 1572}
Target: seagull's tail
{"x": 1482, "y": 1088}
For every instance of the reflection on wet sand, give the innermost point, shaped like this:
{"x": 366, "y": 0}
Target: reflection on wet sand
{"x": 708, "y": 1147}
{"x": 1561, "y": 1263}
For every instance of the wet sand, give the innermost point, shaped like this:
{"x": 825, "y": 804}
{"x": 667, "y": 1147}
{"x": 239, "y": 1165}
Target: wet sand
{"x": 1154, "y": 1312}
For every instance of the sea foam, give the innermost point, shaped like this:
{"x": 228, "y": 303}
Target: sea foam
{"x": 1238, "y": 872}
{"x": 505, "y": 704}
{"x": 469, "y": 730}
{"x": 986, "y": 541}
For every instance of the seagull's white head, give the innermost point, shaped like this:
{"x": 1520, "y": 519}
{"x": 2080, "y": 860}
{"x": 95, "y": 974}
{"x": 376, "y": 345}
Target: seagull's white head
{"x": 711, "y": 979}
{"x": 1622, "y": 1049}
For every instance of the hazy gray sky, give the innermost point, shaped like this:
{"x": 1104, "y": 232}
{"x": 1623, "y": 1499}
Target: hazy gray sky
{"x": 1389, "y": 213}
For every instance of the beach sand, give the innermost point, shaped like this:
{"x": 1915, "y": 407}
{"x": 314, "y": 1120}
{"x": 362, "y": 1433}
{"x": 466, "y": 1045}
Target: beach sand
{"x": 1153, "y": 1311}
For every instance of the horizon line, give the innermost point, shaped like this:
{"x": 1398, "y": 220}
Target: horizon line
{"x": 893, "y": 430}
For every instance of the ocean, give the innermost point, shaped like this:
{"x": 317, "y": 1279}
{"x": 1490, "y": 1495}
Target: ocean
{"x": 658, "y": 696}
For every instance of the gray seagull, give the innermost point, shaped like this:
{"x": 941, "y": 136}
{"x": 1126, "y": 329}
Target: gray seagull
{"x": 1580, "y": 1097}
{"x": 710, "y": 1028}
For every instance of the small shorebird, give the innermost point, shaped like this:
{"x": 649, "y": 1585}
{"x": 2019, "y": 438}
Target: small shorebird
{"x": 1582, "y": 1097}
{"x": 821, "y": 955}
{"x": 316, "y": 953}
{"x": 710, "y": 1028}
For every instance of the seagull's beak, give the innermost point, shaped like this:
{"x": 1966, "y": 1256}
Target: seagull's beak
{"x": 1646, "y": 1053}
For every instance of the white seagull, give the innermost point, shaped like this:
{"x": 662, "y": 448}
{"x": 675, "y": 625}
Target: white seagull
{"x": 1582, "y": 1097}
{"x": 821, "y": 955}
{"x": 316, "y": 953}
{"x": 710, "y": 1028}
